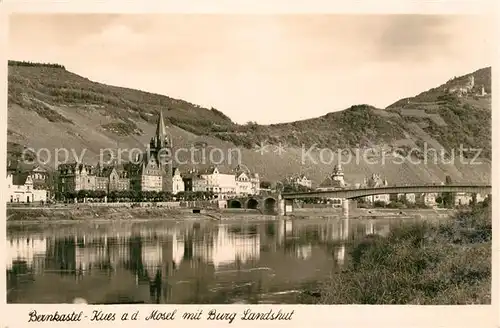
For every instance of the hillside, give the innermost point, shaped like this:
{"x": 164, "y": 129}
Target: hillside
{"x": 72, "y": 112}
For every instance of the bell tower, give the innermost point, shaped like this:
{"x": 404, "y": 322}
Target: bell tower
{"x": 160, "y": 140}
{"x": 161, "y": 148}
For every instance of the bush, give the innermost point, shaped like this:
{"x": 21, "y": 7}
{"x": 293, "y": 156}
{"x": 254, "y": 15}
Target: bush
{"x": 419, "y": 263}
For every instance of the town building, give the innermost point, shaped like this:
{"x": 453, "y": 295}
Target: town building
{"x": 217, "y": 181}
{"x": 427, "y": 199}
{"x": 73, "y": 177}
{"x": 247, "y": 183}
{"x": 111, "y": 178}
{"x": 243, "y": 184}
{"x": 334, "y": 181}
{"x": 300, "y": 180}
{"x": 403, "y": 198}
{"x": 153, "y": 172}
{"x": 145, "y": 176}
{"x": 410, "y": 198}
{"x": 39, "y": 175}
{"x": 481, "y": 197}
{"x": 199, "y": 184}
{"x": 463, "y": 199}
{"x": 375, "y": 181}
{"x": 177, "y": 182}
{"x": 20, "y": 189}
{"x": 188, "y": 179}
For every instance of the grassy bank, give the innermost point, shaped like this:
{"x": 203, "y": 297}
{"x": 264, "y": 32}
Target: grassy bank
{"x": 418, "y": 263}
{"x": 19, "y": 216}
{"x": 88, "y": 213}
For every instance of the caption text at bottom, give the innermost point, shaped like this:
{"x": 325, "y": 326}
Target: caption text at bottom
{"x": 156, "y": 315}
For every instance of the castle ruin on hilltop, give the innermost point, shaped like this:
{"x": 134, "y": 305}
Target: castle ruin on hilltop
{"x": 468, "y": 88}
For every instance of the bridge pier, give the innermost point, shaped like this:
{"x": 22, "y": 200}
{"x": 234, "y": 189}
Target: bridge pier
{"x": 345, "y": 208}
{"x": 281, "y": 206}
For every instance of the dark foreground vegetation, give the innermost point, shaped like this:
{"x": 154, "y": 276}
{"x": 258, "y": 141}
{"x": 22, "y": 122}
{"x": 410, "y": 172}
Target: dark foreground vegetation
{"x": 421, "y": 263}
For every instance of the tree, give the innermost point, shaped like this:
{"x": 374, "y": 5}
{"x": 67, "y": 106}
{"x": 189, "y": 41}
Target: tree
{"x": 198, "y": 195}
{"x": 70, "y": 195}
{"x": 140, "y": 196}
{"x": 208, "y": 195}
{"x": 59, "y": 195}
{"x": 122, "y": 195}
{"x": 181, "y": 195}
{"x": 146, "y": 196}
{"x": 100, "y": 194}
{"x": 189, "y": 195}
{"x": 113, "y": 196}
{"x": 91, "y": 194}
{"x": 82, "y": 194}
{"x": 265, "y": 185}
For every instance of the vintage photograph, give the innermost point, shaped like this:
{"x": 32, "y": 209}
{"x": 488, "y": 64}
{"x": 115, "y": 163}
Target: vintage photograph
{"x": 249, "y": 159}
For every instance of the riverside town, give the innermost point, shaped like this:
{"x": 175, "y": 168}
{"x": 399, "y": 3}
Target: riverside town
{"x": 233, "y": 193}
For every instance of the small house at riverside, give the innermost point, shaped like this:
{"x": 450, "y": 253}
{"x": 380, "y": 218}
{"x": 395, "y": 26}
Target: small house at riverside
{"x": 20, "y": 189}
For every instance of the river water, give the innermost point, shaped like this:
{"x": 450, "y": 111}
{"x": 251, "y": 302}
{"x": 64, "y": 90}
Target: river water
{"x": 179, "y": 262}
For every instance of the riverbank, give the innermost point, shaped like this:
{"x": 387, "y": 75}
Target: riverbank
{"x": 78, "y": 214}
{"x": 87, "y": 213}
{"x": 373, "y": 213}
{"x": 419, "y": 263}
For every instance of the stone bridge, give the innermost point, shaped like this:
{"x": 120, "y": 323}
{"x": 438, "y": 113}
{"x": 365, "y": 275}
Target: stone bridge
{"x": 356, "y": 193}
{"x": 267, "y": 204}
{"x": 282, "y": 204}
{"x": 286, "y": 203}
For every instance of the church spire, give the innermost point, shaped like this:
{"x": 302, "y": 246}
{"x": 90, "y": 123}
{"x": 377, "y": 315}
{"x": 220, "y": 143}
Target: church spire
{"x": 160, "y": 128}
{"x": 160, "y": 139}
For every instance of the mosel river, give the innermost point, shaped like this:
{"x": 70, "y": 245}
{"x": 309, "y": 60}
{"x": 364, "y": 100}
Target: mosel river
{"x": 179, "y": 262}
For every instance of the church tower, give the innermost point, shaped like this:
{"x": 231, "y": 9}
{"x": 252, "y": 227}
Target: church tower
{"x": 161, "y": 148}
{"x": 338, "y": 173}
{"x": 160, "y": 140}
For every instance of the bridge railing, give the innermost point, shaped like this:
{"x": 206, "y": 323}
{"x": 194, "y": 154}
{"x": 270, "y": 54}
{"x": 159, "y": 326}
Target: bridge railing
{"x": 394, "y": 190}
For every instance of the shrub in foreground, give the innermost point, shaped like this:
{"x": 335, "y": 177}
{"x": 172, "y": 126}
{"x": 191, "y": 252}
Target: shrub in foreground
{"x": 418, "y": 263}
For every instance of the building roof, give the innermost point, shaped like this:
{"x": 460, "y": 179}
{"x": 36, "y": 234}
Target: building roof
{"x": 104, "y": 171}
{"x": 133, "y": 168}
{"x": 331, "y": 183}
{"x": 20, "y": 179}
{"x": 19, "y": 166}
{"x": 375, "y": 181}
{"x": 76, "y": 167}
{"x": 211, "y": 170}
{"x": 298, "y": 177}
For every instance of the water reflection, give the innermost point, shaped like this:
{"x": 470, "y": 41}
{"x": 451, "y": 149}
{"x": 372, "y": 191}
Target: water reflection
{"x": 178, "y": 263}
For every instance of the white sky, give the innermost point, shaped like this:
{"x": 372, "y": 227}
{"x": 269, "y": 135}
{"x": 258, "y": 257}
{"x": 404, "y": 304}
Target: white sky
{"x": 264, "y": 68}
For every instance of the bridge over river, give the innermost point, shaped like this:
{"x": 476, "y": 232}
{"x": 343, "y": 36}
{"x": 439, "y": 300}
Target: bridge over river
{"x": 283, "y": 203}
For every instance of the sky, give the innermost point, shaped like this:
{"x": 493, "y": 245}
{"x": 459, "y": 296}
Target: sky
{"x": 263, "y": 68}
